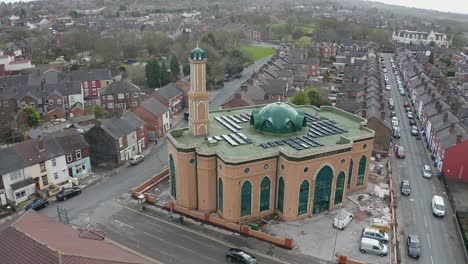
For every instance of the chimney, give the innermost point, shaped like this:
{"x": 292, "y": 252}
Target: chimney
{"x": 426, "y": 85}
{"x": 382, "y": 115}
{"x": 424, "y": 81}
{"x": 40, "y": 144}
{"x": 448, "y": 98}
{"x": 452, "y": 127}
{"x": 244, "y": 87}
{"x": 433, "y": 97}
{"x": 381, "y": 98}
{"x": 364, "y": 113}
{"x": 445, "y": 117}
{"x": 237, "y": 96}
{"x": 250, "y": 81}
{"x": 97, "y": 122}
{"x": 43, "y": 83}
{"x": 459, "y": 139}
{"x": 382, "y": 106}
{"x": 364, "y": 105}
{"x": 443, "y": 93}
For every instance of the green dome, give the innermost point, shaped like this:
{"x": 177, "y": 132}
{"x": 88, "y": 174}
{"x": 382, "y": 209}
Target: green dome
{"x": 197, "y": 54}
{"x": 278, "y": 118}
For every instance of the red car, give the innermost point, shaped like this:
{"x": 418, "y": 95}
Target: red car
{"x": 406, "y": 104}
{"x": 400, "y": 152}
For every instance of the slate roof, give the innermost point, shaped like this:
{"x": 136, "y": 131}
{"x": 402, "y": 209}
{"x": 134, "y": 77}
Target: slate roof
{"x": 123, "y": 125}
{"x": 120, "y": 87}
{"x": 155, "y": 107}
{"x": 92, "y": 75}
{"x": 35, "y": 238}
{"x": 70, "y": 140}
{"x": 169, "y": 91}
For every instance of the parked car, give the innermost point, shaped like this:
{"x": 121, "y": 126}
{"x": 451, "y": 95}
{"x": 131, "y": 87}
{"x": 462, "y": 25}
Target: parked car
{"x": 342, "y": 219}
{"x": 412, "y": 122}
{"x": 402, "y": 92}
{"x": 369, "y": 245}
{"x": 388, "y": 87}
{"x": 37, "y": 204}
{"x": 67, "y": 193}
{"x": 405, "y": 188}
{"x": 392, "y": 113}
{"x": 405, "y": 104}
{"x": 240, "y": 256}
{"x": 375, "y": 234}
{"x": 136, "y": 159}
{"x": 400, "y": 152}
{"x": 410, "y": 115}
{"x": 414, "y": 130}
{"x": 438, "y": 206}
{"x": 427, "y": 172}
{"x": 414, "y": 246}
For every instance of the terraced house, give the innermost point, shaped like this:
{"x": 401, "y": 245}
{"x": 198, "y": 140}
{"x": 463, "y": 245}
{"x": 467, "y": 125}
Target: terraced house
{"x": 251, "y": 162}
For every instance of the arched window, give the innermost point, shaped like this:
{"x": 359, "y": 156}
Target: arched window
{"x": 246, "y": 198}
{"x": 361, "y": 171}
{"x": 220, "y": 194}
{"x": 172, "y": 170}
{"x": 281, "y": 194}
{"x": 303, "y": 197}
{"x": 350, "y": 174}
{"x": 339, "y": 188}
{"x": 265, "y": 194}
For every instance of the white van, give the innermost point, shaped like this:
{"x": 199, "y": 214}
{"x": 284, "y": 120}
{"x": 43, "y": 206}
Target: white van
{"x": 369, "y": 245}
{"x": 375, "y": 234}
{"x": 438, "y": 206}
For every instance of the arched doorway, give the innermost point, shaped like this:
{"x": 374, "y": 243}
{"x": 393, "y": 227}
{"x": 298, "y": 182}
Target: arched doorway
{"x": 172, "y": 171}
{"x": 339, "y": 188}
{"x": 246, "y": 198}
{"x": 303, "y": 198}
{"x": 265, "y": 194}
{"x": 323, "y": 187}
{"x": 361, "y": 171}
{"x": 280, "y": 194}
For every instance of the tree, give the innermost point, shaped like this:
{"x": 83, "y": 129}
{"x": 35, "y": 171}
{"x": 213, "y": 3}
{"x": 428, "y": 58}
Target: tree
{"x": 32, "y": 115}
{"x": 448, "y": 62}
{"x": 165, "y": 76}
{"x": 332, "y": 59}
{"x": 137, "y": 74}
{"x": 314, "y": 96}
{"x": 326, "y": 76}
{"x": 432, "y": 43}
{"x": 431, "y": 58}
{"x": 175, "y": 67}
{"x": 122, "y": 8}
{"x": 153, "y": 74}
{"x": 300, "y": 99}
{"x": 304, "y": 42}
{"x": 98, "y": 111}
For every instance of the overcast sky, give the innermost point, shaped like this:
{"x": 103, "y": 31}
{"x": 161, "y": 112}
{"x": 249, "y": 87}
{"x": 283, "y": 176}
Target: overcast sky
{"x": 455, "y": 6}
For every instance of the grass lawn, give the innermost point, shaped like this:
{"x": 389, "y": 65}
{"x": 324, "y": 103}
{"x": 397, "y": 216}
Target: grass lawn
{"x": 258, "y": 53}
{"x": 310, "y": 28}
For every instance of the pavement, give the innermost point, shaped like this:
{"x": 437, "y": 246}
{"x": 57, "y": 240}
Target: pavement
{"x": 439, "y": 240}
{"x": 233, "y": 85}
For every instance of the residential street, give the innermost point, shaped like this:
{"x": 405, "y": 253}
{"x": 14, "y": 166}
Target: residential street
{"x": 439, "y": 239}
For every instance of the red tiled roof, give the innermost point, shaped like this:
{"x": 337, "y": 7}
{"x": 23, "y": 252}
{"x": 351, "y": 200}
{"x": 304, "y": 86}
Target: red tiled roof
{"x": 4, "y": 56}
{"x": 35, "y": 238}
{"x": 19, "y": 62}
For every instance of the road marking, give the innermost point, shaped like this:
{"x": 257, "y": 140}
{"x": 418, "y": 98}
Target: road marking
{"x": 422, "y": 204}
{"x": 153, "y": 236}
{"x": 121, "y": 223}
{"x": 206, "y": 236}
{"x": 428, "y": 240}
{"x": 432, "y": 261}
{"x": 425, "y": 222}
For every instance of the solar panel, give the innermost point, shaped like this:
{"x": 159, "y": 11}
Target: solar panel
{"x": 315, "y": 132}
{"x": 243, "y": 119}
{"x": 320, "y": 130}
{"x": 237, "y": 120}
{"x": 273, "y": 144}
{"x": 326, "y": 129}
{"x": 246, "y": 116}
{"x": 229, "y": 140}
{"x": 280, "y": 142}
{"x": 238, "y": 139}
{"x": 244, "y": 137}
{"x": 231, "y": 122}
{"x": 218, "y": 138}
{"x": 227, "y": 125}
{"x": 264, "y": 145}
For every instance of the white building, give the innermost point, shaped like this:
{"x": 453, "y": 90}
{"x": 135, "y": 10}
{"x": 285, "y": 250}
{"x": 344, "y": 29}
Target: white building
{"x": 418, "y": 37}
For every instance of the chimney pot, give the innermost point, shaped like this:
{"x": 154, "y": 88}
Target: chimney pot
{"x": 364, "y": 105}
{"x": 452, "y": 127}
{"x": 40, "y": 143}
{"x": 382, "y": 115}
{"x": 433, "y": 97}
{"x": 445, "y": 117}
{"x": 364, "y": 113}
{"x": 459, "y": 139}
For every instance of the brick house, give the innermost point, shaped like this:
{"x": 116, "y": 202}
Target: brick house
{"x": 327, "y": 49}
{"x": 157, "y": 117}
{"x": 172, "y": 97}
{"x": 116, "y": 140}
{"x": 258, "y": 34}
{"x": 92, "y": 82}
{"x": 120, "y": 95}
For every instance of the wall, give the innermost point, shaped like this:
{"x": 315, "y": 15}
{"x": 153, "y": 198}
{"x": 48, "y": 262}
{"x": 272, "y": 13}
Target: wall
{"x": 35, "y": 172}
{"x": 60, "y": 168}
{"x": 102, "y": 147}
{"x": 186, "y": 182}
{"x": 206, "y": 177}
{"x": 7, "y": 184}
{"x": 75, "y": 165}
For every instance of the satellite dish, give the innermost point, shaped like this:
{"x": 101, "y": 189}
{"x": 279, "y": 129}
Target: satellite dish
{"x": 428, "y": 53}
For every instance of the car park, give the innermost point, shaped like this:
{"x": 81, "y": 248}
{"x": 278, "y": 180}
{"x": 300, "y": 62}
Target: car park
{"x": 67, "y": 193}
{"x": 405, "y": 188}
{"x": 427, "y": 172}
{"x": 240, "y": 256}
{"x": 369, "y": 245}
{"x": 37, "y": 204}
{"x": 438, "y": 206}
{"x": 414, "y": 246}
{"x": 375, "y": 234}
{"x": 342, "y": 219}
{"x": 136, "y": 159}
{"x": 400, "y": 152}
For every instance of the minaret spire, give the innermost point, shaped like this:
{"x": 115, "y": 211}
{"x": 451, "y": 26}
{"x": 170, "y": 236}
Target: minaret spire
{"x": 198, "y": 97}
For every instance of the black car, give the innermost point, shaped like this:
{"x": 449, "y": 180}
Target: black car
{"x": 67, "y": 193}
{"x": 414, "y": 246}
{"x": 405, "y": 187}
{"x": 186, "y": 116}
{"x": 37, "y": 204}
{"x": 240, "y": 256}
{"x": 412, "y": 122}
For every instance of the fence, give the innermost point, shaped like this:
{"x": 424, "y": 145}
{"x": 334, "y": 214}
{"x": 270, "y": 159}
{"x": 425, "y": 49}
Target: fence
{"x": 147, "y": 185}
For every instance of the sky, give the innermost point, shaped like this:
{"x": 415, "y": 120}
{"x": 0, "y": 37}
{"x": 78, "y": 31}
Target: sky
{"x": 454, "y": 6}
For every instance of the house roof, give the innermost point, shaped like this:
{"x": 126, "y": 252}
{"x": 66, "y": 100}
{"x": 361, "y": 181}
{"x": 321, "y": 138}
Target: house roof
{"x": 35, "y": 238}
{"x": 69, "y": 140}
{"x": 169, "y": 91}
{"x": 119, "y": 87}
{"x": 123, "y": 125}
{"x": 92, "y": 75}
{"x": 155, "y": 107}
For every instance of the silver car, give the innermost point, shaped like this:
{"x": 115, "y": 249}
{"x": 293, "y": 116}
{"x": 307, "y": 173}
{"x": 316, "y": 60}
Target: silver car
{"x": 427, "y": 172}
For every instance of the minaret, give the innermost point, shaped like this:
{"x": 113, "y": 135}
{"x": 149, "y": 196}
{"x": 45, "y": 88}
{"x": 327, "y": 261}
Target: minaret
{"x": 197, "y": 96}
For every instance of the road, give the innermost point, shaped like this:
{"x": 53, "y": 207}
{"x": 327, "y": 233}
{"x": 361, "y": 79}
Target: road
{"x": 233, "y": 85}
{"x": 439, "y": 240}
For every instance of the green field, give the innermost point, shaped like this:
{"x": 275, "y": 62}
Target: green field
{"x": 309, "y": 29}
{"x": 257, "y": 53}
